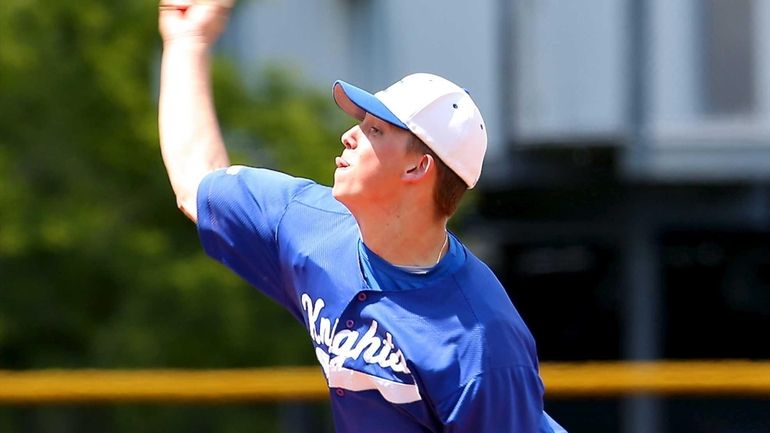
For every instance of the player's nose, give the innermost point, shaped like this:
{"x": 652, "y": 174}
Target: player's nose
{"x": 349, "y": 138}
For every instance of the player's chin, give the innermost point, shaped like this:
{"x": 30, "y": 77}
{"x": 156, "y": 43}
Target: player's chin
{"x": 342, "y": 191}
{"x": 338, "y": 188}
{"x": 341, "y": 181}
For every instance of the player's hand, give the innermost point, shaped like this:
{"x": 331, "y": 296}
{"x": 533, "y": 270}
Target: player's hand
{"x": 198, "y": 21}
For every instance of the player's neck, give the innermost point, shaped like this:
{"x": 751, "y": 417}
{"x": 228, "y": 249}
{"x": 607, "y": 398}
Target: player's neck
{"x": 406, "y": 238}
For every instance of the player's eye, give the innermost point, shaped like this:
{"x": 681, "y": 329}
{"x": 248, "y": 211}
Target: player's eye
{"x": 374, "y": 130}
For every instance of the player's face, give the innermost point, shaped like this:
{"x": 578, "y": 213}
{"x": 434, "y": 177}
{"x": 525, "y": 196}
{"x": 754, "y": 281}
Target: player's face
{"x": 372, "y": 164}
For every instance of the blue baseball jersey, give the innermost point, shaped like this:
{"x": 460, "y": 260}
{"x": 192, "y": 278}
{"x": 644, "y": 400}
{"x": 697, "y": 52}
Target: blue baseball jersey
{"x": 441, "y": 352}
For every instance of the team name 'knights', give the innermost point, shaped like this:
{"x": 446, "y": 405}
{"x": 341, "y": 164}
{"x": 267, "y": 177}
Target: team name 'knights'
{"x": 349, "y": 344}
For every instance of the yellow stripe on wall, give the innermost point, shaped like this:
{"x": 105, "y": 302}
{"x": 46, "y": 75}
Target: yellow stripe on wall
{"x": 597, "y": 379}
{"x": 562, "y": 380}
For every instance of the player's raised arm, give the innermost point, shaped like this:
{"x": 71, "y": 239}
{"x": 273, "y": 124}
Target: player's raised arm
{"x": 190, "y": 139}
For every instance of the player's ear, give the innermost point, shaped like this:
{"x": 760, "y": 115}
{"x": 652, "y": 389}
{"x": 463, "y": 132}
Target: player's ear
{"x": 417, "y": 170}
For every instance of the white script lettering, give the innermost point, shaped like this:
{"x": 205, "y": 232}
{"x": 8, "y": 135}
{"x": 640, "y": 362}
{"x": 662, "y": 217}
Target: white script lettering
{"x": 349, "y": 344}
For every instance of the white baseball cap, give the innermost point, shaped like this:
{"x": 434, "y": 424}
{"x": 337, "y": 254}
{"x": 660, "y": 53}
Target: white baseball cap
{"x": 436, "y": 110}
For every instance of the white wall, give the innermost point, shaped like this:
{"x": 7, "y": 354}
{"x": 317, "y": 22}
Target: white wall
{"x": 373, "y": 43}
{"x": 569, "y": 79}
{"x": 298, "y": 34}
{"x": 570, "y": 69}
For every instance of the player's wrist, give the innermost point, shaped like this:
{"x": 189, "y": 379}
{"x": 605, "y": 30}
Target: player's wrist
{"x": 187, "y": 42}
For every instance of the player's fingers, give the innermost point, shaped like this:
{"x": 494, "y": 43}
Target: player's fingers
{"x": 202, "y": 20}
{"x": 174, "y": 5}
{"x": 228, "y": 4}
{"x": 171, "y": 5}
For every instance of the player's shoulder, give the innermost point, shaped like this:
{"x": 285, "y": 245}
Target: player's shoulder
{"x": 480, "y": 285}
{"x": 319, "y": 198}
{"x": 478, "y": 271}
{"x": 271, "y": 184}
{"x": 503, "y": 333}
{"x": 254, "y": 178}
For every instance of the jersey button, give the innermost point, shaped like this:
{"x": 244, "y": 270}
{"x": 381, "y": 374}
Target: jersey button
{"x": 362, "y": 296}
{"x": 340, "y": 392}
{"x": 349, "y": 323}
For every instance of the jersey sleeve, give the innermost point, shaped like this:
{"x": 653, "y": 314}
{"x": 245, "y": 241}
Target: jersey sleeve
{"x": 239, "y": 211}
{"x": 504, "y": 400}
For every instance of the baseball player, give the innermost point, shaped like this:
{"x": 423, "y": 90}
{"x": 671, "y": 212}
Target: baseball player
{"x": 412, "y": 331}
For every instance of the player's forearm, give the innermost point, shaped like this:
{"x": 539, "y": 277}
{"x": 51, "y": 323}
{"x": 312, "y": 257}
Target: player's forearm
{"x": 190, "y": 138}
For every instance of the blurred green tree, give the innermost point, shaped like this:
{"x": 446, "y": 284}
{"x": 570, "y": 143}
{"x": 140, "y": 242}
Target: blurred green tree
{"x": 97, "y": 266}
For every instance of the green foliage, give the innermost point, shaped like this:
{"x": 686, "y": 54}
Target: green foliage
{"x": 97, "y": 266}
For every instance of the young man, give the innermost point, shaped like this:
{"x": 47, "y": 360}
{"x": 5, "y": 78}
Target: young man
{"x": 412, "y": 331}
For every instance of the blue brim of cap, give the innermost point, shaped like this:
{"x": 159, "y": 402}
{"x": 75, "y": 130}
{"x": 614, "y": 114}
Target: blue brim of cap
{"x": 357, "y": 102}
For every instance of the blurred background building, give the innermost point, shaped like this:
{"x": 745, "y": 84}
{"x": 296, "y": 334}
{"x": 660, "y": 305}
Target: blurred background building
{"x": 625, "y": 201}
